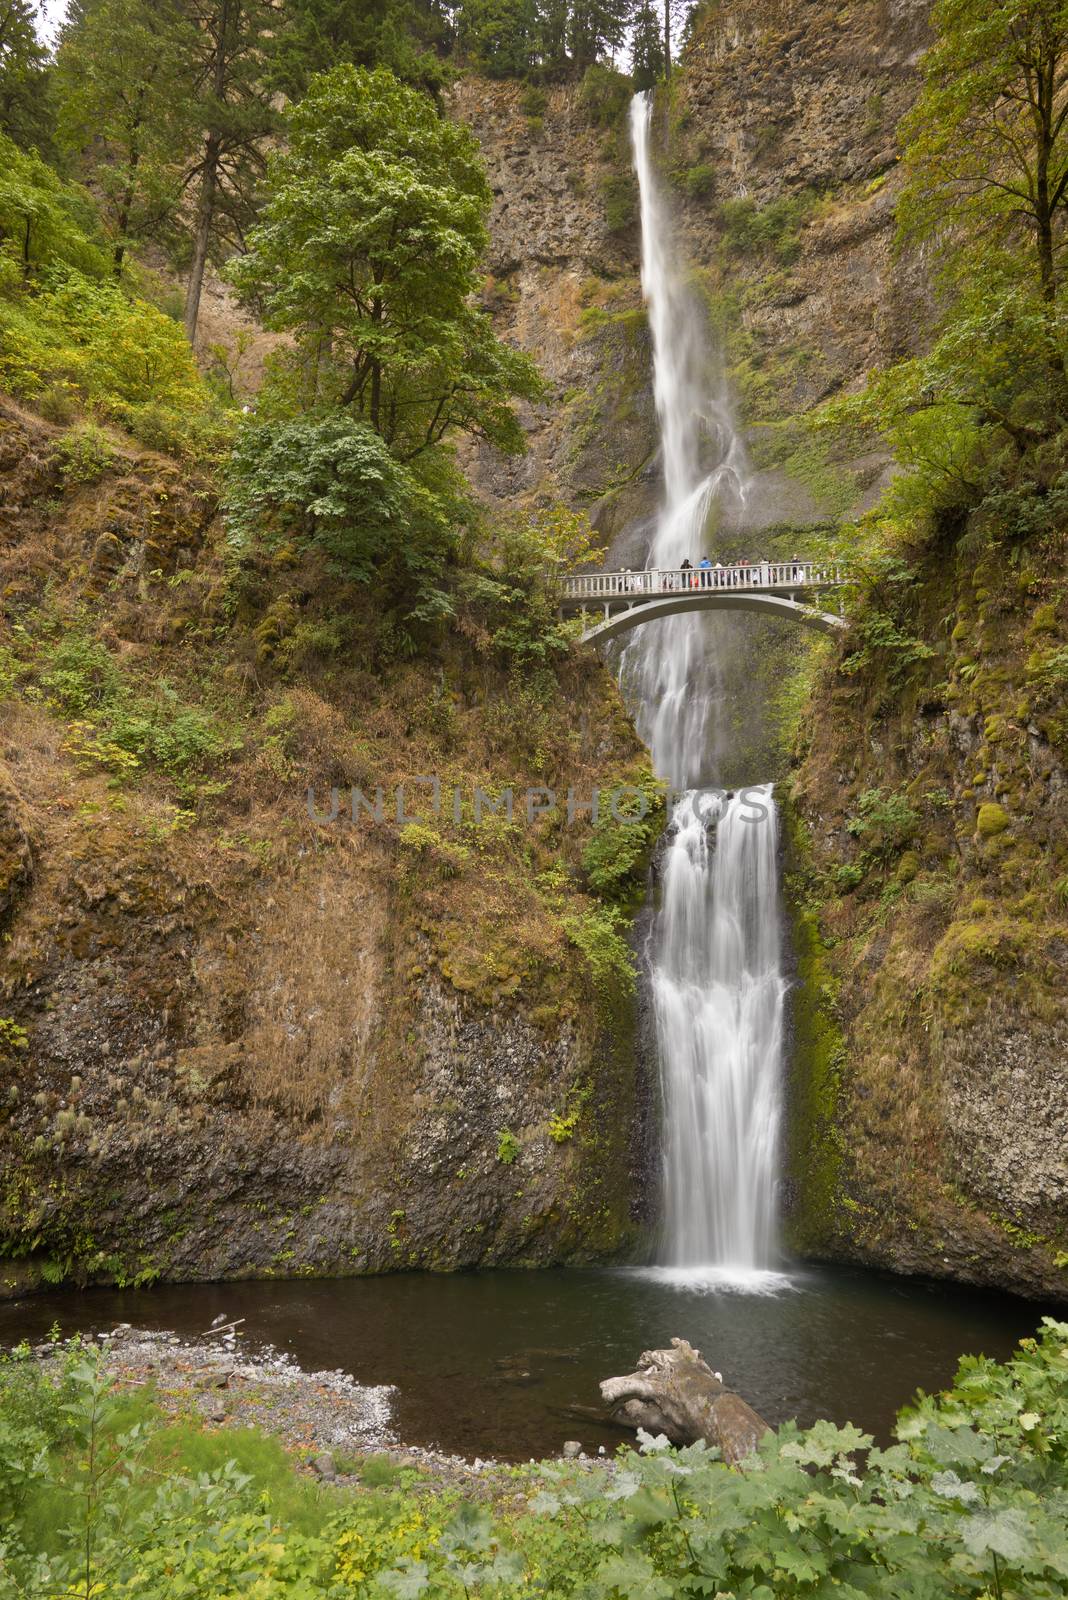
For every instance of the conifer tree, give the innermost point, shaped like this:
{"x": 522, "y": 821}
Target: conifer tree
{"x": 23, "y": 59}
{"x": 647, "y": 47}
{"x": 314, "y": 36}
{"x": 124, "y": 94}
{"x": 596, "y": 28}
{"x": 232, "y": 104}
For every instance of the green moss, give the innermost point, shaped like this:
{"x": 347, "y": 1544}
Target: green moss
{"x": 814, "y": 1150}
{"x": 992, "y": 819}
{"x": 1043, "y": 621}
{"x": 907, "y": 867}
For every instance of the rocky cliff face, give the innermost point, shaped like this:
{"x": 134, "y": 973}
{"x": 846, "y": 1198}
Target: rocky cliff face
{"x": 930, "y": 1084}
{"x": 263, "y": 1045}
{"x": 927, "y": 1097}
{"x": 247, "y": 1042}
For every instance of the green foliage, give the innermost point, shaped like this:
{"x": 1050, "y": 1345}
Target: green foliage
{"x": 885, "y": 821}
{"x": 562, "y": 1128}
{"x": 311, "y": 36}
{"x": 116, "y": 724}
{"x": 507, "y": 591}
{"x": 698, "y": 182}
{"x": 535, "y": 103}
{"x": 991, "y": 379}
{"x": 604, "y": 95}
{"x": 616, "y": 854}
{"x": 23, "y": 76}
{"x": 773, "y": 229}
{"x": 12, "y": 1037}
{"x": 44, "y": 222}
{"x": 98, "y": 1497}
{"x": 124, "y": 112}
{"x": 987, "y": 143}
{"x": 328, "y": 479}
{"x": 880, "y": 640}
{"x": 373, "y": 225}
{"x": 507, "y": 1146}
{"x": 986, "y": 194}
{"x": 500, "y": 37}
{"x": 971, "y": 1501}
{"x": 647, "y": 45}
{"x": 67, "y": 328}
{"x": 620, "y": 197}
{"x": 598, "y": 932}
{"x": 596, "y": 30}
{"x": 83, "y": 454}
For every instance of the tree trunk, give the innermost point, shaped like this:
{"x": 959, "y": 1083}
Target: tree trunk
{"x": 667, "y": 41}
{"x": 209, "y": 183}
{"x": 676, "y": 1393}
{"x": 202, "y": 237}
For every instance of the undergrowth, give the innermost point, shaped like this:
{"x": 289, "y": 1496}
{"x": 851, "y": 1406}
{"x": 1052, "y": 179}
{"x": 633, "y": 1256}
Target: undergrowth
{"x": 101, "y": 1496}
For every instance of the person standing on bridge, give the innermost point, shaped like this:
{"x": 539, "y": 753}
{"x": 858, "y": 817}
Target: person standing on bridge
{"x": 704, "y": 567}
{"x": 687, "y": 568}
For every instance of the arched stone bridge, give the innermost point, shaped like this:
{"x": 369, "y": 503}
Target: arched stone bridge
{"x": 777, "y": 589}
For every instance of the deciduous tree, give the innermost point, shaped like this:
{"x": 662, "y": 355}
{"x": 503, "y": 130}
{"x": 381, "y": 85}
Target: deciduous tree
{"x": 367, "y": 253}
{"x": 987, "y": 142}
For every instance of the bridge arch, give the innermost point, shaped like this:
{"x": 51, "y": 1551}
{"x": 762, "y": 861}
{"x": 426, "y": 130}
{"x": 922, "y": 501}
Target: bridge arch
{"x": 769, "y": 605}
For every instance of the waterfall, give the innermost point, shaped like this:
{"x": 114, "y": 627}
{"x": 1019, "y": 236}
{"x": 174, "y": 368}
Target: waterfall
{"x": 717, "y": 982}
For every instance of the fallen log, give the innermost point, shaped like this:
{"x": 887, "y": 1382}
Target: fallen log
{"x": 675, "y": 1392}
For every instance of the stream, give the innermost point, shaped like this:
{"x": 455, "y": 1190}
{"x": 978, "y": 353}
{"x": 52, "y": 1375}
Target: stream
{"x": 489, "y": 1363}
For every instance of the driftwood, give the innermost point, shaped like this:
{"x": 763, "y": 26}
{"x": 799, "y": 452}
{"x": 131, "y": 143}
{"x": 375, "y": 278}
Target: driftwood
{"x": 676, "y": 1393}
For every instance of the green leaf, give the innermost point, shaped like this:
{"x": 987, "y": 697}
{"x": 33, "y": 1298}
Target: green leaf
{"x": 1005, "y": 1533}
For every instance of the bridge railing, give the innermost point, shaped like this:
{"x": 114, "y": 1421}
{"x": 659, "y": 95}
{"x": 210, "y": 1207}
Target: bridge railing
{"x": 769, "y": 575}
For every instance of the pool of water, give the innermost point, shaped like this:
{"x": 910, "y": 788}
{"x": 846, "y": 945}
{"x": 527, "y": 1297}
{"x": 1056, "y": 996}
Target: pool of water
{"x": 501, "y": 1363}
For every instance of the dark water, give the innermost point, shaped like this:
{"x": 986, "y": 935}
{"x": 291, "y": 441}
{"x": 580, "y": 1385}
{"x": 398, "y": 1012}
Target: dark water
{"x": 489, "y": 1363}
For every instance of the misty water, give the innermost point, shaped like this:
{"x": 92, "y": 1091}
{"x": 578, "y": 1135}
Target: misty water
{"x": 714, "y": 955}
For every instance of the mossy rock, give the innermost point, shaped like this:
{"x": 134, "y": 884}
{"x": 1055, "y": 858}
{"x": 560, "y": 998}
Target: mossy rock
{"x": 992, "y": 819}
{"x": 1044, "y": 620}
{"x": 907, "y": 867}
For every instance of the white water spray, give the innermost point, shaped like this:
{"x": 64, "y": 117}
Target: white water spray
{"x": 718, "y": 987}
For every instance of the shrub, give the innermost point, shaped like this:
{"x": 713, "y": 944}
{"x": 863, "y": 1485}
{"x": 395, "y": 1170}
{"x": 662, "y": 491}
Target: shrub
{"x": 328, "y": 480}
{"x": 88, "y": 341}
{"x": 885, "y": 821}
{"x": 83, "y": 454}
{"x": 507, "y": 1146}
{"x": 98, "y": 1495}
{"x": 698, "y": 182}
{"x": 620, "y": 197}
{"x": 597, "y": 932}
{"x": 12, "y": 1036}
{"x": 749, "y": 228}
{"x": 605, "y": 95}
{"x": 615, "y": 856}
{"x": 72, "y": 337}
{"x": 117, "y": 724}
{"x": 535, "y": 103}
{"x": 971, "y": 1501}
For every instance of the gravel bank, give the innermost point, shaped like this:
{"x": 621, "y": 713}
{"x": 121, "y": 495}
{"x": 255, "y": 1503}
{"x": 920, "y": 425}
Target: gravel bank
{"x": 326, "y": 1419}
